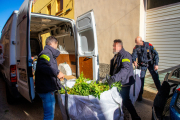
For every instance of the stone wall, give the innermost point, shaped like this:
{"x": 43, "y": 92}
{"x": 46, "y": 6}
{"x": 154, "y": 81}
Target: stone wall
{"x": 103, "y": 70}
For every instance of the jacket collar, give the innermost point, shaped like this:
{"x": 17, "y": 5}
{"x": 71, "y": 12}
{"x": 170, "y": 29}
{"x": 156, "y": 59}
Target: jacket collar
{"x": 55, "y": 52}
{"x": 121, "y": 51}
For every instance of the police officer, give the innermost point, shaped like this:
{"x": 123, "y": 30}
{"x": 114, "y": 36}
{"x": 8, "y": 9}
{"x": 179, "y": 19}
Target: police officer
{"x": 147, "y": 58}
{"x": 46, "y": 75}
{"x": 121, "y": 70}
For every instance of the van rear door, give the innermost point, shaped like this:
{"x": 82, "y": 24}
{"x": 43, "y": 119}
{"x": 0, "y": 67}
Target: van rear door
{"x": 24, "y": 62}
{"x": 88, "y": 59}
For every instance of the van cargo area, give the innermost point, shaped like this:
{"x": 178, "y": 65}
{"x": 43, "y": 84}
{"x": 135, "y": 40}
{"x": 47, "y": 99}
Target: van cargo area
{"x": 40, "y": 28}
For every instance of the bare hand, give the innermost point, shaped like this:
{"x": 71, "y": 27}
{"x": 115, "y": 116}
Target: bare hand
{"x": 135, "y": 63}
{"x": 60, "y": 75}
{"x": 156, "y": 67}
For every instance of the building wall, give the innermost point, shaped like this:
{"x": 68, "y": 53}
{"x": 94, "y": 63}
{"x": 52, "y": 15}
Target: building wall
{"x": 40, "y": 6}
{"x": 114, "y": 19}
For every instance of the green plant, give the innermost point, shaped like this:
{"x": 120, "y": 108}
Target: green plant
{"x": 83, "y": 88}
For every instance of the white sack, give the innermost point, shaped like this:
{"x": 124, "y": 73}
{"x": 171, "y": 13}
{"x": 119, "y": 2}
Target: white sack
{"x": 137, "y": 86}
{"x": 109, "y": 107}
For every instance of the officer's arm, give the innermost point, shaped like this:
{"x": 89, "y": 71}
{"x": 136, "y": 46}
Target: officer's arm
{"x": 125, "y": 68}
{"x": 156, "y": 56}
{"x": 44, "y": 66}
{"x": 134, "y": 55}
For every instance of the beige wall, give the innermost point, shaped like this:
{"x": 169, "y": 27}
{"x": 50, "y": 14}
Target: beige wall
{"x": 114, "y": 19}
{"x": 142, "y": 20}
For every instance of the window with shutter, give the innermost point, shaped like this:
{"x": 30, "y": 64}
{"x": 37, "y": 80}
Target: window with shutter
{"x": 49, "y": 9}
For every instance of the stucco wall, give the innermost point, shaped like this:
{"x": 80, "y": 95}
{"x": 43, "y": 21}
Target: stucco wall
{"x": 114, "y": 19}
{"x": 40, "y": 6}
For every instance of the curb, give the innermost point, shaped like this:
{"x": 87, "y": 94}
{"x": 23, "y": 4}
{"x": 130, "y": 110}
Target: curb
{"x": 150, "y": 90}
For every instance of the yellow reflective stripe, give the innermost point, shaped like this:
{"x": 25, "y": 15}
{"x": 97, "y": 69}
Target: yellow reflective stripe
{"x": 45, "y": 57}
{"x": 125, "y": 60}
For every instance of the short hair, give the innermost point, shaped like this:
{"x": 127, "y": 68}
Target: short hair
{"x": 51, "y": 39}
{"x": 118, "y": 41}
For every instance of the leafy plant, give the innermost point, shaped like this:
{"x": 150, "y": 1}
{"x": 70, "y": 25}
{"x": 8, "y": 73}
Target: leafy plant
{"x": 82, "y": 87}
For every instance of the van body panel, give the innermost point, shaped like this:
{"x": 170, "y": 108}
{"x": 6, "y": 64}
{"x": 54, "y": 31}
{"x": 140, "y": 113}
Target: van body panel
{"x": 8, "y": 41}
{"x": 87, "y": 45}
{"x": 9, "y": 35}
{"x": 13, "y": 40}
{"x": 23, "y": 52}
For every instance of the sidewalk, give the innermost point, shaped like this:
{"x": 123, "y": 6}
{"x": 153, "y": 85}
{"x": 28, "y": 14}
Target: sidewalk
{"x": 149, "y": 83}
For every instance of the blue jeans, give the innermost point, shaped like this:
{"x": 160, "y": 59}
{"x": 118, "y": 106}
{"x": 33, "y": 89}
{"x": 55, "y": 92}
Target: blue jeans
{"x": 48, "y": 100}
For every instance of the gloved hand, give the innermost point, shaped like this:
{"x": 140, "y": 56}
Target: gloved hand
{"x": 103, "y": 80}
{"x": 110, "y": 80}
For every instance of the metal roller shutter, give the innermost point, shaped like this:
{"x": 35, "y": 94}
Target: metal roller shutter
{"x": 163, "y": 32}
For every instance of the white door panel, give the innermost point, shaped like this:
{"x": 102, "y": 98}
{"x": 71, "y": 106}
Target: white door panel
{"x": 87, "y": 43}
{"x": 24, "y": 62}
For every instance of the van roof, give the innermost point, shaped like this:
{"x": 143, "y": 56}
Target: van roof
{"x": 42, "y": 22}
{"x": 14, "y": 12}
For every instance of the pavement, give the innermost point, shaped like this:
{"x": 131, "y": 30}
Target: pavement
{"x": 24, "y": 110}
{"x": 144, "y": 108}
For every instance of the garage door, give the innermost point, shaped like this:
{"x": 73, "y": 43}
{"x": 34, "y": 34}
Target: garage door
{"x": 163, "y": 31}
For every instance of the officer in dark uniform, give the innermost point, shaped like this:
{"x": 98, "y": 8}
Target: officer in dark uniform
{"x": 147, "y": 58}
{"x": 46, "y": 75}
{"x": 121, "y": 70}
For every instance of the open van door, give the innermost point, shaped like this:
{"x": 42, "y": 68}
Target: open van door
{"x": 88, "y": 59}
{"x": 25, "y": 82}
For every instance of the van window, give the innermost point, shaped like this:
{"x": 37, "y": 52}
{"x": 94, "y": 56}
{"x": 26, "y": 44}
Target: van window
{"x": 66, "y": 44}
{"x": 87, "y": 40}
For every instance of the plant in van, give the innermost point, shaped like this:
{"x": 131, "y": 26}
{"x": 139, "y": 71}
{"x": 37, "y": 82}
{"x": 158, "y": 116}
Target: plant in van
{"x": 82, "y": 87}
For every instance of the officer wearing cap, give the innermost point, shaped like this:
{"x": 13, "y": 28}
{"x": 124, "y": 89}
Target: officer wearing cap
{"x": 121, "y": 70}
{"x": 147, "y": 59}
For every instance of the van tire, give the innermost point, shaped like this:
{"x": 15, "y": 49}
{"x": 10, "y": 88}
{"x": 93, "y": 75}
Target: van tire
{"x": 10, "y": 99}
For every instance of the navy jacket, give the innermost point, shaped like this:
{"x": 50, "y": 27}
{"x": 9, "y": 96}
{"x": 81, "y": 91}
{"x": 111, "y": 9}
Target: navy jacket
{"x": 121, "y": 69}
{"x": 145, "y": 53}
{"x": 47, "y": 70}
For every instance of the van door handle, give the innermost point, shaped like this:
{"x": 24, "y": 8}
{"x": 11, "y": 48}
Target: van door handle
{"x": 18, "y": 60}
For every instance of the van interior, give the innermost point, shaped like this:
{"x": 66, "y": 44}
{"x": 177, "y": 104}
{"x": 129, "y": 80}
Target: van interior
{"x": 40, "y": 29}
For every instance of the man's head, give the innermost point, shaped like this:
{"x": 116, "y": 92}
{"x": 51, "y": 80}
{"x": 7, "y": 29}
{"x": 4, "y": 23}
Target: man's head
{"x": 117, "y": 46}
{"x": 52, "y": 41}
{"x": 138, "y": 41}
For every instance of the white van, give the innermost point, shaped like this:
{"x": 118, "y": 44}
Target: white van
{"x": 8, "y": 66}
{"x": 77, "y": 44}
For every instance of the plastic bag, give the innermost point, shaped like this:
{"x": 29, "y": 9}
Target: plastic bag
{"x": 134, "y": 93}
{"x": 109, "y": 107}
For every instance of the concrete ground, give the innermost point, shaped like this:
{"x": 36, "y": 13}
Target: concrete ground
{"x": 24, "y": 110}
{"x": 144, "y": 108}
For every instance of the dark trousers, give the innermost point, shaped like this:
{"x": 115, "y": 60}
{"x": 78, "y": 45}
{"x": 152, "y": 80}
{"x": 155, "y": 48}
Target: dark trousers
{"x": 128, "y": 104}
{"x": 154, "y": 75}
